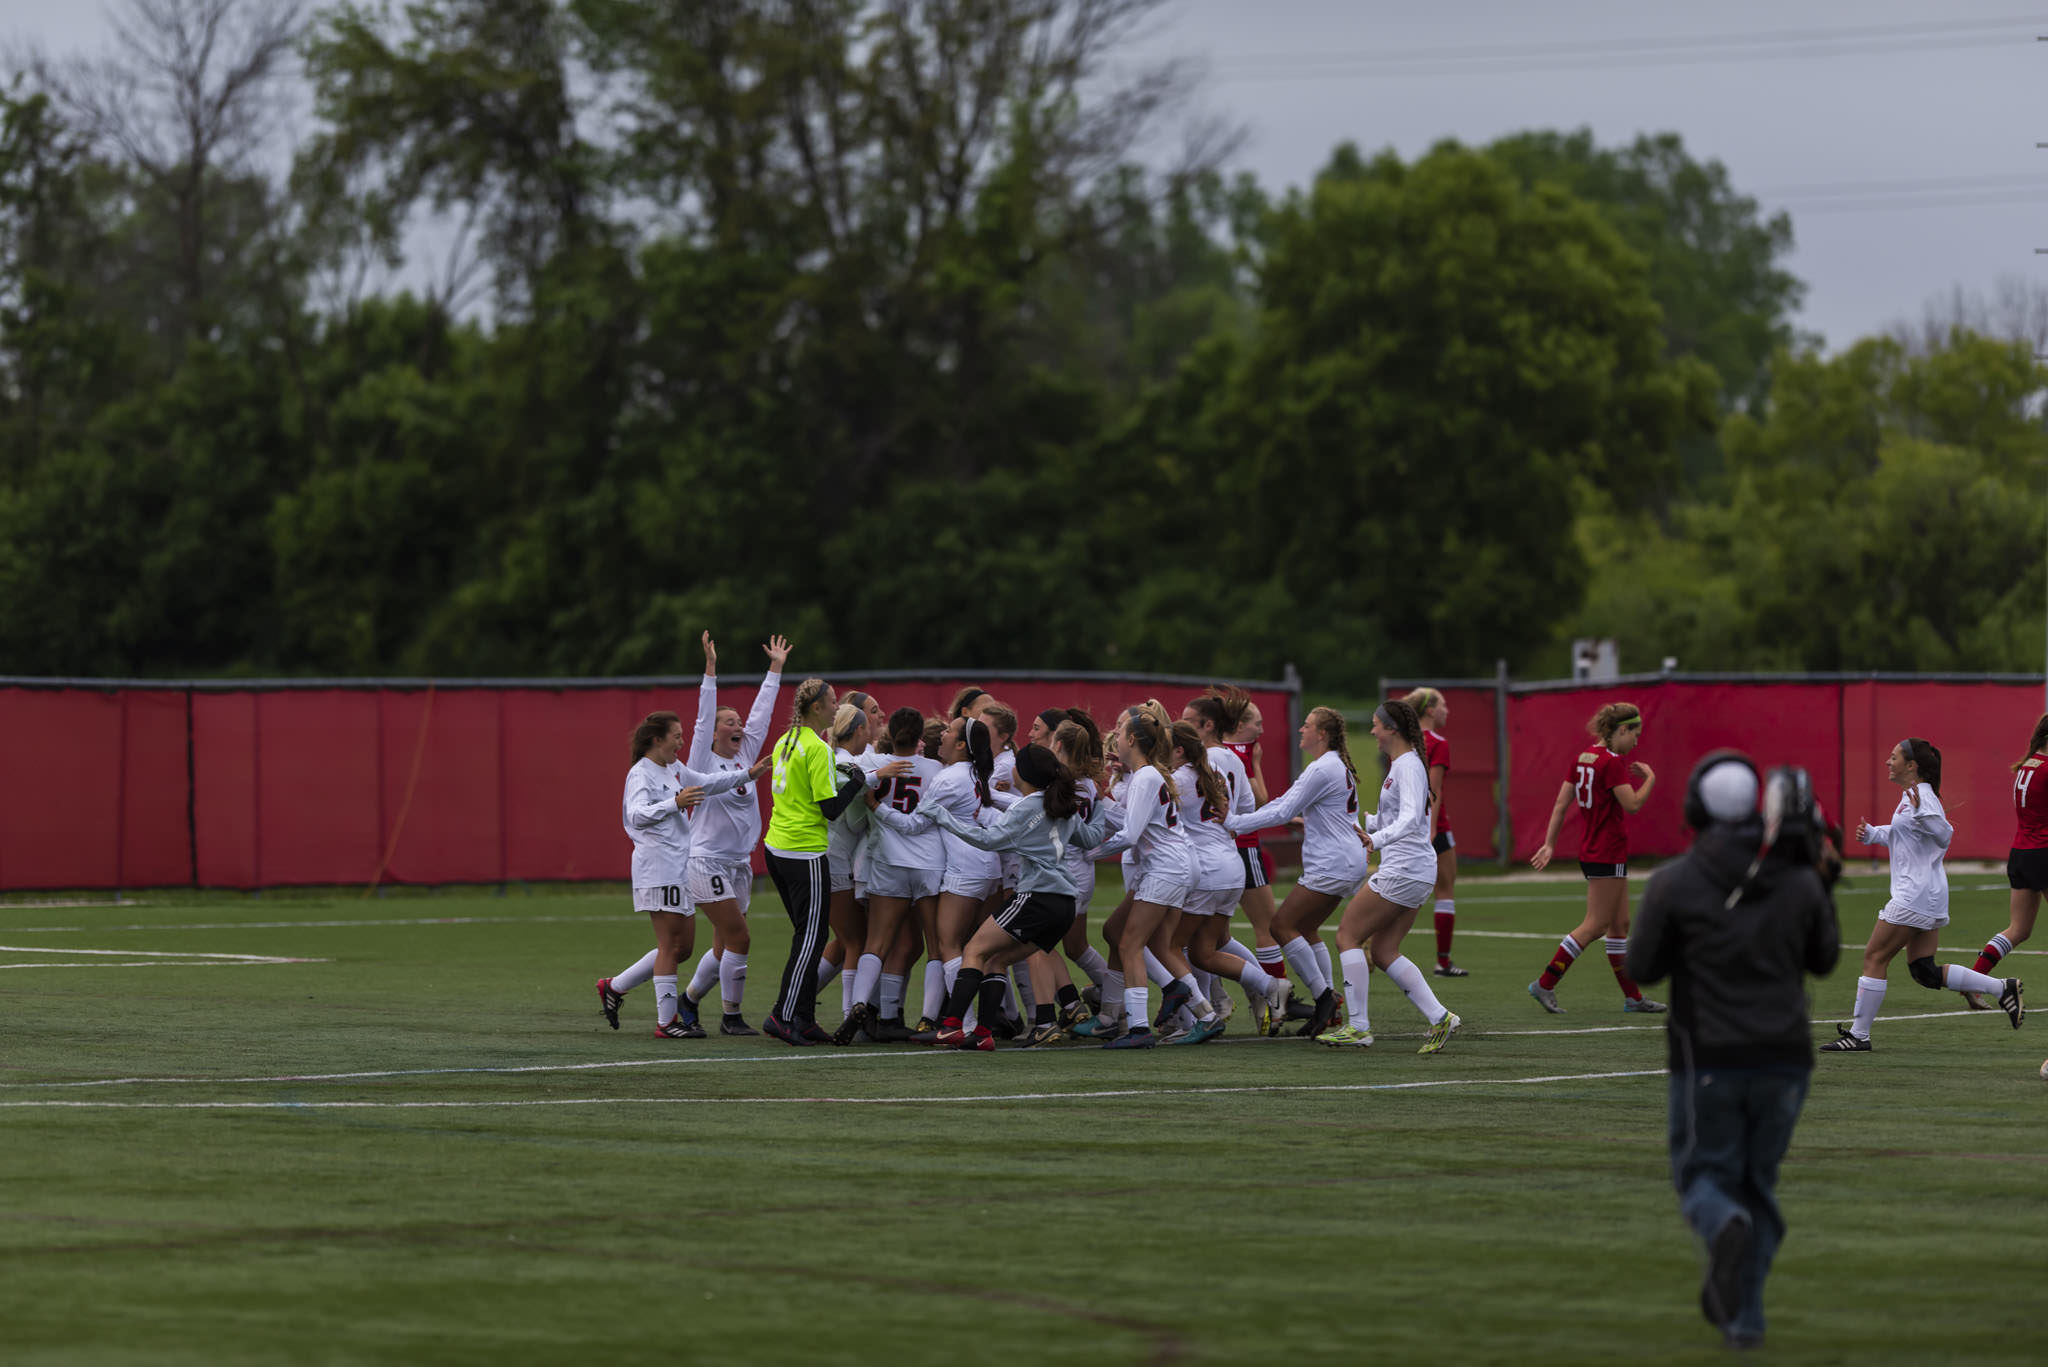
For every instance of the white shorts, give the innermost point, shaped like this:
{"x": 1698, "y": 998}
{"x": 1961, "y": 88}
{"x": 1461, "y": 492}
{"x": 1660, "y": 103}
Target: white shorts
{"x": 1402, "y": 892}
{"x": 1340, "y": 880}
{"x": 668, "y": 898}
{"x": 1913, "y": 920}
{"x": 1084, "y": 887}
{"x": 912, "y": 885}
{"x": 966, "y": 883}
{"x": 841, "y": 868}
{"x": 1163, "y": 891}
{"x": 714, "y": 880}
{"x": 1213, "y": 901}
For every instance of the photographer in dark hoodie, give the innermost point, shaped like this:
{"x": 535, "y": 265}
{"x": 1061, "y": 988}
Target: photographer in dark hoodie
{"x": 1735, "y": 924}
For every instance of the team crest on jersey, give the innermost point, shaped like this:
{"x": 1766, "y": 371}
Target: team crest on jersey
{"x": 2033, "y": 763}
{"x": 1588, "y": 757}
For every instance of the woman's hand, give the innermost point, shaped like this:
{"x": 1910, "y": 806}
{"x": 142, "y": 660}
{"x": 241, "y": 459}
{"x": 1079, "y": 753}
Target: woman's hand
{"x": 1863, "y": 832}
{"x": 1640, "y": 771}
{"x": 1913, "y": 796}
{"x": 710, "y": 656}
{"x": 761, "y": 766}
{"x": 689, "y": 797}
{"x": 778, "y": 651}
{"x": 893, "y": 768}
{"x": 1541, "y": 857}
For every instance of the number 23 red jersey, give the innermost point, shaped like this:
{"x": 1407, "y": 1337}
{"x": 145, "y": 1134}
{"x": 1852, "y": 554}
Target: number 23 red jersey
{"x": 1596, "y": 773}
{"x": 2030, "y": 803}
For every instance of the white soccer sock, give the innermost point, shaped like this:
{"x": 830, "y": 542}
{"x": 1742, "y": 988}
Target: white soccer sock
{"x": 1405, "y": 975}
{"x": 892, "y": 985}
{"x": 1231, "y": 946}
{"x": 1198, "y": 1001}
{"x": 664, "y": 999}
{"x": 1322, "y": 953}
{"x": 732, "y": 980}
{"x": 1962, "y": 979}
{"x": 1156, "y": 970}
{"x": 847, "y": 982}
{"x": 1010, "y": 1000}
{"x": 1094, "y": 965}
{"x": 706, "y": 974}
{"x": 640, "y": 972}
{"x": 952, "y": 971}
{"x": 1869, "y": 996}
{"x": 1255, "y": 980}
{"x": 1112, "y": 993}
{"x": 1301, "y": 957}
{"x": 827, "y": 971}
{"x": 867, "y": 973}
{"x": 1027, "y": 1000}
{"x": 935, "y": 988}
{"x": 1357, "y": 987}
{"x": 1136, "y": 1009}
{"x": 1206, "y": 980}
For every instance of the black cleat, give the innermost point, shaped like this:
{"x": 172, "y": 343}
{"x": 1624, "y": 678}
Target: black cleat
{"x": 736, "y": 1024}
{"x": 2010, "y": 1003}
{"x": 775, "y": 1029}
{"x": 1299, "y": 1010}
{"x": 1176, "y": 996}
{"x": 1004, "y": 1028}
{"x": 679, "y": 1029}
{"x": 814, "y": 1032}
{"x": 851, "y": 1027}
{"x": 1846, "y": 1041}
{"x": 892, "y": 1030}
{"x": 1325, "y": 1012}
{"x": 1452, "y": 971}
{"x": 609, "y": 1002}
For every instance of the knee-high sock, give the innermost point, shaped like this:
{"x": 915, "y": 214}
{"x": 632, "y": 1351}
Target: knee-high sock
{"x": 1255, "y": 981}
{"x": 934, "y": 989}
{"x": 890, "y": 1003}
{"x": 1869, "y": 996}
{"x": 1322, "y": 953}
{"x": 1568, "y": 951}
{"x": 847, "y": 982}
{"x": 1233, "y": 946}
{"x": 1027, "y": 1000}
{"x": 1301, "y": 957}
{"x": 993, "y": 991}
{"x": 1199, "y": 1005}
{"x": 1996, "y": 948}
{"x": 1112, "y": 994}
{"x": 952, "y": 970}
{"x": 1960, "y": 979}
{"x": 732, "y": 980}
{"x": 867, "y": 976}
{"x": 1617, "y": 952}
{"x": 1357, "y": 992}
{"x": 640, "y": 972}
{"x": 1446, "y": 913}
{"x": 706, "y": 974}
{"x": 827, "y": 971}
{"x": 1156, "y": 971}
{"x": 1135, "y": 1008}
{"x": 664, "y": 998}
{"x": 1403, "y": 974}
{"x": 1094, "y": 965}
{"x": 1273, "y": 958}
{"x": 960, "y": 998}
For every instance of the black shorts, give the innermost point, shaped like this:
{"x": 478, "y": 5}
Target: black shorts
{"x": 1258, "y": 866}
{"x": 1038, "y": 918}
{"x": 1593, "y": 871}
{"x": 2027, "y": 869}
{"x": 1444, "y": 843}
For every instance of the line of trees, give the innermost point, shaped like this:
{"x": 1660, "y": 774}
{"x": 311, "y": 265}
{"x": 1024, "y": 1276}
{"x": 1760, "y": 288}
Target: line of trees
{"x": 865, "y": 320}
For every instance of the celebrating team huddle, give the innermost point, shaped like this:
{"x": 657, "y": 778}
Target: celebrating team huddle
{"x": 895, "y": 837}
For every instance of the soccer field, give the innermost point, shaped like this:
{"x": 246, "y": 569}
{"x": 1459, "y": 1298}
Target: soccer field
{"x": 335, "y": 1129}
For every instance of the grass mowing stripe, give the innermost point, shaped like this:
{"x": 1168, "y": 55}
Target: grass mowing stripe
{"x": 1103, "y": 1095}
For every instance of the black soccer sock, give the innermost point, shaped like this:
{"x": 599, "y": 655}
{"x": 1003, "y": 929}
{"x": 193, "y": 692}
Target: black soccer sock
{"x": 1042, "y": 1014}
{"x": 1069, "y": 994}
{"x": 961, "y": 997}
{"x": 991, "y": 999}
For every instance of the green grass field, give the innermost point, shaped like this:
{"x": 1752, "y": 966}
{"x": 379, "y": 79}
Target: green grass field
{"x": 421, "y": 1144}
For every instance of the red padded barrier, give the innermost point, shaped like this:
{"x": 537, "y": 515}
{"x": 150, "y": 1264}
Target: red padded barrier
{"x": 441, "y": 787}
{"x": 156, "y": 792}
{"x": 61, "y": 801}
{"x": 565, "y": 757}
{"x": 225, "y": 821}
{"x": 1471, "y": 787}
{"x": 316, "y": 786}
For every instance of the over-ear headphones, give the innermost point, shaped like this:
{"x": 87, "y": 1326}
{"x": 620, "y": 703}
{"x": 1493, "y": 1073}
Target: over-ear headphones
{"x": 1696, "y": 814}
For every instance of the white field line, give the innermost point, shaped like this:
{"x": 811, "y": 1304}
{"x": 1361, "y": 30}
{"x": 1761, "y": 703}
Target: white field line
{"x": 159, "y": 963}
{"x": 154, "y": 954}
{"x": 793, "y": 1057}
{"x": 324, "y": 925}
{"x": 1115, "y": 1094}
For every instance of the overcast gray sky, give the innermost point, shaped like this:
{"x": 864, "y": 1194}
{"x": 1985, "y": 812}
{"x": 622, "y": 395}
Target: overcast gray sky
{"x": 1899, "y": 134}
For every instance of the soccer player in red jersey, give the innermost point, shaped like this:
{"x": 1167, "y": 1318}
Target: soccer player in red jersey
{"x": 2026, "y": 868}
{"x": 1599, "y": 785}
{"x": 1436, "y": 713}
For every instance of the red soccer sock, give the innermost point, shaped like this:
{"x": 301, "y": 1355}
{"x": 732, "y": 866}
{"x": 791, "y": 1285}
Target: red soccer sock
{"x": 1445, "y": 922}
{"x": 1994, "y": 950}
{"x": 1567, "y": 951}
{"x": 1617, "y": 952}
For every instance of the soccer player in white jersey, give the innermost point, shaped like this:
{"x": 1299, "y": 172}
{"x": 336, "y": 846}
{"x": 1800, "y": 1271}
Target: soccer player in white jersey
{"x": 1918, "y": 838}
{"x": 1077, "y": 744}
{"x": 1229, "y": 719}
{"x": 1325, "y": 797}
{"x": 845, "y": 842}
{"x": 1208, "y": 795}
{"x": 723, "y": 833}
{"x": 659, "y": 789}
{"x": 1151, "y": 828}
{"x": 903, "y": 871}
{"x": 1385, "y": 907}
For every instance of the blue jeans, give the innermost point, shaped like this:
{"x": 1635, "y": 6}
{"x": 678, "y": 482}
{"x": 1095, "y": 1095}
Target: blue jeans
{"x": 1729, "y": 1129}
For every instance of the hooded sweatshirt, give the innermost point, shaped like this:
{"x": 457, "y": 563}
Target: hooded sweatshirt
{"x": 1738, "y": 993}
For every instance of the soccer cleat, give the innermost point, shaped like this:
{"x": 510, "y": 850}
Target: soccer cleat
{"x": 1005, "y": 1028}
{"x": 855, "y": 1020}
{"x": 1297, "y": 1009}
{"x": 1095, "y": 1027}
{"x": 1846, "y": 1041}
{"x": 1073, "y": 1013}
{"x": 925, "y": 1025}
{"x": 736, "y": 1024}
{"x": 1140, "y": 1038}
{"x": 1642, "y": 1006}
{"x": 892, "y": 1030}
{"x": 1225, "y": 1008}
{"x": 1440, "y": 1034}
{"x": 1546, "y": 998}
{"x": 679, "y": 1029}
{"x": 2010, "y": 1003}
{"x": 1092, "y": 995}
{"x": 609, "y": 1002}
{"x": 1447, "y": 970}
{"x": 948, "y": 1036}
{"x": 1976, "y": 1002}
{"x": 1171, "y": 1001}
{"x": 1042, "y": 1035}
{"x": 1173, "y": 1034}
{"x": 980, "y": 1040}
{"x": 775, "y": 1028}
{"x": 1727, "y": 1254}
{"x": 1275, "y": 1005}
{"x": 1204, "y": 1031}
{"x": 1345, "y": 1035}
{"x": 1326, "y": 1012}
{"x": 814, "y": 1032}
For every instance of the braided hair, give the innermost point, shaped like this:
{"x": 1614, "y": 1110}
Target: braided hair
{"x": 1330, "y": 722}
{"x": 1188, "y": 744}
{"x": 807, "y": 694}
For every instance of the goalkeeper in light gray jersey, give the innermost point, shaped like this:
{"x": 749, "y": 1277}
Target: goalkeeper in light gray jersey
{"x": 1038, "y": 829}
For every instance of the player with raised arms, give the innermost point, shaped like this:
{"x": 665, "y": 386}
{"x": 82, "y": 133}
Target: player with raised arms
{"x": 1435, "y": 713}
{"x": 1911, "y": 919}
{"x": 659, "y": 789}
{"x": 1333, "y": 861}
{"x": 1370, "y": 934}
{"x": 1599, "y": 785}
